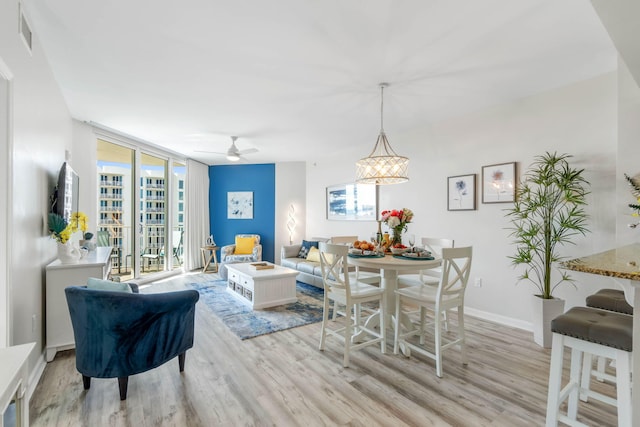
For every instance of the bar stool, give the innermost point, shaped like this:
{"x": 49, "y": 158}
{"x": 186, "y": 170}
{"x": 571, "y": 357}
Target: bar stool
{"x": 606, "y": 299}
{"x": 598, "y": 332}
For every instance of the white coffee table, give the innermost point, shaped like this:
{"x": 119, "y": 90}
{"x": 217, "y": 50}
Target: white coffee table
{"x": 262, "y": 288}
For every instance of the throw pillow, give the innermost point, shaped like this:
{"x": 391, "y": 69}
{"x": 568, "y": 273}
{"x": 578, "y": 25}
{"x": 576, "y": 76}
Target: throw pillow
{"x": 107, "y": 285}
{"x": 314, "y": 255}
{"x": 244, "y": 245}
{"x": 305, "y": 247}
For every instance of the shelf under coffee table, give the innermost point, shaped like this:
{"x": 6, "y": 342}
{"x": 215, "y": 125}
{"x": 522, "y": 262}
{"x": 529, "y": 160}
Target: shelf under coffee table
{"x": 262, "y": 288}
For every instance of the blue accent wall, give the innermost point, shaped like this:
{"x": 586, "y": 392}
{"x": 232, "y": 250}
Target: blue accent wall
{"x": 261, "y": 179}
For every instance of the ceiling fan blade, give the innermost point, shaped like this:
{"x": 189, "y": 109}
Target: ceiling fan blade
{"x": 248, "y": 151}
{"x": 210, "y": 152}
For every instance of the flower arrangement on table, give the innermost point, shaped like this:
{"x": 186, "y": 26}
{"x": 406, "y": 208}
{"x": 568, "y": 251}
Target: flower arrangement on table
{"x": 634, "y": 183}
{"x": 397, "y": 221}
{"x": 61, "y": 231}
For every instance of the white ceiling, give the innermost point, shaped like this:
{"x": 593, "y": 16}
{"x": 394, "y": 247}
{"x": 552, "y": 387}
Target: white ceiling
{"x": 287, "y": 75}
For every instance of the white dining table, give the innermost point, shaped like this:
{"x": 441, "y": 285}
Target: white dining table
{"x": 623, "y": 266}
{"x": 389, "y": 267}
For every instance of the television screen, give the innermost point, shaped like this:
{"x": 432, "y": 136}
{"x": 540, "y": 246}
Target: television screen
{"x": 67, "y": 192}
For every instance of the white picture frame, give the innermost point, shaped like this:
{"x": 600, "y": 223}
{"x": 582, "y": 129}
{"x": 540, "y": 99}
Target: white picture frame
{"x": 240, "y": 205}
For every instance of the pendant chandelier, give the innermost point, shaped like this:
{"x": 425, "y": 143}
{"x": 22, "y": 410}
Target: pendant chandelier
{"x": 383, "y": 165}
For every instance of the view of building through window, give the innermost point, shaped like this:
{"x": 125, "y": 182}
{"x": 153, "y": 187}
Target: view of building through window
{"x": 159, "y": 235}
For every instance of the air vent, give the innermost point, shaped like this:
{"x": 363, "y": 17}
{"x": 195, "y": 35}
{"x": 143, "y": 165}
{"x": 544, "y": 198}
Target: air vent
{"x": 25, "y": 30}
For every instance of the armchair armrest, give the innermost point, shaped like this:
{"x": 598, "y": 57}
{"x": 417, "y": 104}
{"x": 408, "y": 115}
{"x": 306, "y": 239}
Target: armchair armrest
{"x": 226, "y": 250}
{"x": 257, "y": 252}
{"x": 289, "y": 251}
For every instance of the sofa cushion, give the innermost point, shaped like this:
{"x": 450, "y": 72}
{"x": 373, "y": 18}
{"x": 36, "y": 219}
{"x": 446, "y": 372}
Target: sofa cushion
{"x": 306, "y": 246}
{"x": 307, "y": 267}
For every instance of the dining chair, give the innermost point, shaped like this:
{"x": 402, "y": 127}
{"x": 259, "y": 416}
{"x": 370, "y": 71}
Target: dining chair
{"x": 430, "y": 276}
{"x": 339, "y": 287}
{"x": 369, "y": 277}
{"x": 449, "y": 294}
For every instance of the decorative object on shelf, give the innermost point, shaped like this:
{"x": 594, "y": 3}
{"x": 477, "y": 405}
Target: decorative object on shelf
{"x": 61, "y": 231}
{"x": 634, "y": 183}
{"x": 357, "y": 202}
{"x": 210, "y": 241}
{"x": 397, "y": 221}
{"x": 499, "y": 183}
{"x": 383, "y": 165}
{"x": 461, "y": 192}
{"x": 87, "y": 242}
{"x": 548, "y": 213}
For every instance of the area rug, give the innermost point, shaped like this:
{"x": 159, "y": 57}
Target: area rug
{"x": 247, "y": 323}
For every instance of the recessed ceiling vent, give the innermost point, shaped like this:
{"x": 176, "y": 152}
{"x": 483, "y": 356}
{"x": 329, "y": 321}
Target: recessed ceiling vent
{"x": 25, "y": 30}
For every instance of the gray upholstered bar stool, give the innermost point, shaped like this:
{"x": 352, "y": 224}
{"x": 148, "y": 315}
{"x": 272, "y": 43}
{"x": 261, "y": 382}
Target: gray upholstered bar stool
{"x": 598, "y": 332}
{"x": 606, "y": 299}
{"x": 610, "y": 299}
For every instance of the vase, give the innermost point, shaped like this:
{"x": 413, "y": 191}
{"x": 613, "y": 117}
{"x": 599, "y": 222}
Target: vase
{"x": 544, "y": 311}
{"x": 396, "y": 237}
{"x": 68, "y": 253}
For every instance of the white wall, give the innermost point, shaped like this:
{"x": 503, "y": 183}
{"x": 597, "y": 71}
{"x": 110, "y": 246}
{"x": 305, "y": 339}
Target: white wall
{"x": 41, "y": 134}
{"x": 290, "y": 191}
{"x": 579, "y": 119}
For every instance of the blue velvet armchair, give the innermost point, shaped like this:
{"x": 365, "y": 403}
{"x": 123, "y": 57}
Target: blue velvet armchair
{"x": 119, "y": 334}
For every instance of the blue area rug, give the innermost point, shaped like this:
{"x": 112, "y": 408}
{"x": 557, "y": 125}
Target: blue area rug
{"x": 247, "y": 323}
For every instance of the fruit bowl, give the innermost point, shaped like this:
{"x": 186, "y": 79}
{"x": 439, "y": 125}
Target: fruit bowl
{"x": 398, "y": 251}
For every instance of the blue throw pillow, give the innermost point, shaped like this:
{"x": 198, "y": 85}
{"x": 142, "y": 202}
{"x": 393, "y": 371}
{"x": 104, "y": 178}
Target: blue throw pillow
{"x": 306, "y": 246}
{"x": 107, "y": 285}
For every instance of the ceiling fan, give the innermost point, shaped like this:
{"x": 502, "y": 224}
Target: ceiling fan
{"x": 233, "y": 154}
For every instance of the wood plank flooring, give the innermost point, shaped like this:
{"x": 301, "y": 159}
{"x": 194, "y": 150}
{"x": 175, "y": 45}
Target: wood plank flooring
{"x": 283, "y": 379}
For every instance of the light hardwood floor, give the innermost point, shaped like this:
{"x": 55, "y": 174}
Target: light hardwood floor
{"x": 283, "y": 379}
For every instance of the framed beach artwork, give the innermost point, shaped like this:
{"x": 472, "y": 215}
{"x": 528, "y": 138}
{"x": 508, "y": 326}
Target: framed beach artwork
{"x": 461, "y": 192}
{"x": 240, "y": 205}
{"x": 357, "y": 202}
{"x": 499, "y": 183}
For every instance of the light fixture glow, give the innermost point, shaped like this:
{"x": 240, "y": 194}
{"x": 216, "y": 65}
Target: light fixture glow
{"x": 383, "y": 165}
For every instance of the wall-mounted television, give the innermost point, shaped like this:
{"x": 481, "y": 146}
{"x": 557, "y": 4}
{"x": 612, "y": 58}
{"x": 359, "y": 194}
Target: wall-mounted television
{"x": 67, "y": 192}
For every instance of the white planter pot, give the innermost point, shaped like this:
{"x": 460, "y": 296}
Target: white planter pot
{"x": 544, "y": 311}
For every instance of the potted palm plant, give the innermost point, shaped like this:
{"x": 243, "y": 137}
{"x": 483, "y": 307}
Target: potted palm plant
{"x": 547, "y": 214}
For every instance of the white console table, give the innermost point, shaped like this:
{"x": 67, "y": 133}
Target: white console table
{"x": 14, "y": 375}
{"x": 59, "y": 330}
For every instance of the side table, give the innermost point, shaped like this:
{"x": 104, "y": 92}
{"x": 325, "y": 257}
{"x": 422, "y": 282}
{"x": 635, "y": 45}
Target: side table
{"x": 209, "y": 254}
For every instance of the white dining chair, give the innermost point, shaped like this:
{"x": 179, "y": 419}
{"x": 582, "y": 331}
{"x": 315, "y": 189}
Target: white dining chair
{"x": 339, "y": 287}
{"x": 430, "y": 276}
{"x": 449, "y": 294}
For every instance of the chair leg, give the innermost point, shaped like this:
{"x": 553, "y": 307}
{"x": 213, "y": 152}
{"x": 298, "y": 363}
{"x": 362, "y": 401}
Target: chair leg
{"x": 123, "y": 382}
{"x": 438, "y": 343}
{"x": 325, "y": 320}
{"x": 623, "y": 387}
{"x": 86, "y": 382}
{"x": 396, "y": 338}
{"x": 383, "y": 324}
{"x": 461, "y": 335}
{"x": 587, "y": 366}
{"x": 555, "y": 380}
{"x": 348, "y": 332}
{"x": 181, "y": 357}
{"x": 423, "y": 319}
{"x": 574, "y": 379}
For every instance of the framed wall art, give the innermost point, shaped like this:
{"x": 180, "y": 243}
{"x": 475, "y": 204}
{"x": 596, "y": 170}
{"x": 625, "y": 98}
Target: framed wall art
{"x": 499, "y": 183}
{"x": 357, "y": 202}
{"x": 240, "y": 205}
{"x": 461, "y": 192}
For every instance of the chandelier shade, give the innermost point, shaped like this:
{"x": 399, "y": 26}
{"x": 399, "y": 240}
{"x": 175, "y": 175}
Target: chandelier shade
{"x": 383, "y": 165}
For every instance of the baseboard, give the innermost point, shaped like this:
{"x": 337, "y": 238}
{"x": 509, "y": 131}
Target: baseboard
{"x": 496, "y": 318}
{"x": 36, "y": 374}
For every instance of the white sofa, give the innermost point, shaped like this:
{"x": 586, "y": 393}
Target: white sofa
{"x": 309, "y": 271}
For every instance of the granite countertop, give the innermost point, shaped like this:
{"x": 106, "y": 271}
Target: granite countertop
{"x": 623, "y": 263}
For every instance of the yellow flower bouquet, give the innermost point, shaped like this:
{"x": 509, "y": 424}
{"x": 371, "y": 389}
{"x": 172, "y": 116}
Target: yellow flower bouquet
{"x": 61, "y": 231}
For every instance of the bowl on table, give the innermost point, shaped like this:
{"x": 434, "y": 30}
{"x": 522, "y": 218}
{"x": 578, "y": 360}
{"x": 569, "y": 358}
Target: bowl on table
{"x": 398, "y": 251}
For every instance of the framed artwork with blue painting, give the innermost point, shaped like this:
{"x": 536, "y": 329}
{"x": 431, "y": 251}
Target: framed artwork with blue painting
{"x": 461, "y": 192}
